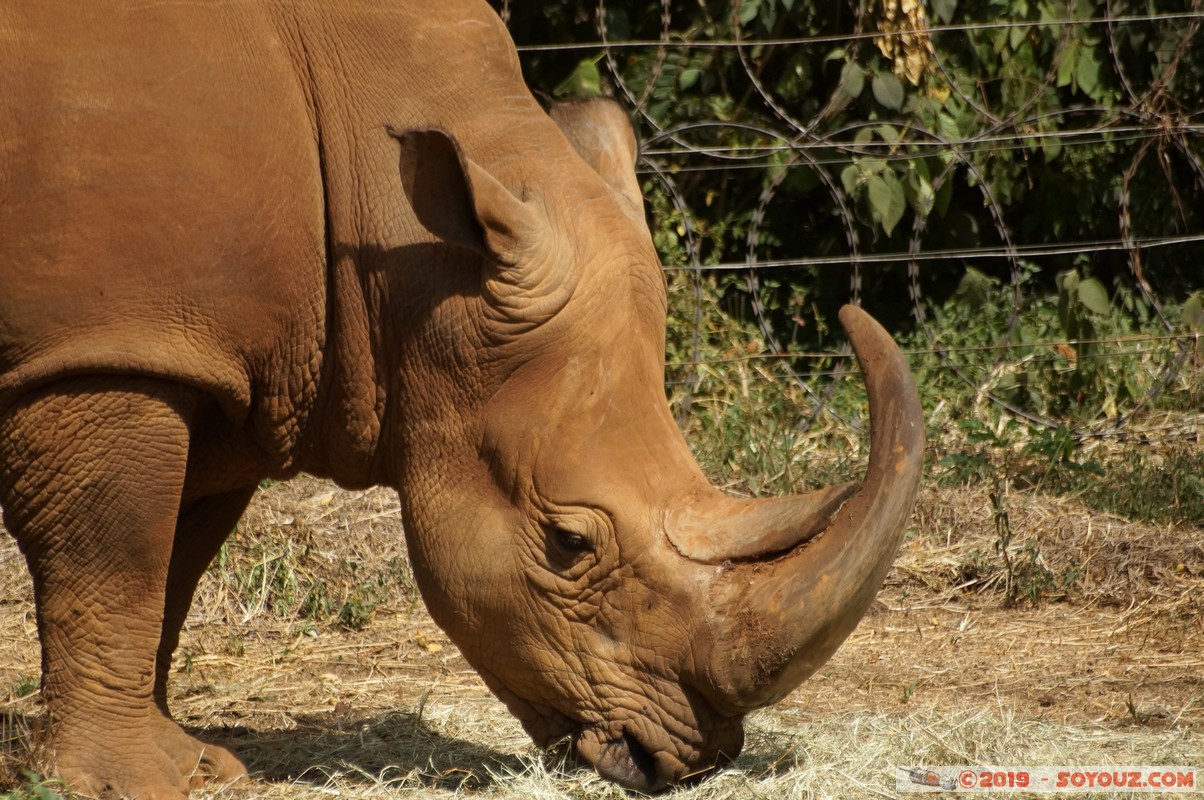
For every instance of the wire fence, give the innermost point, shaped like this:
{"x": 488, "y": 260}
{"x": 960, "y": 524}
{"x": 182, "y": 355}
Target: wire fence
{"x": 1152, "y": 136}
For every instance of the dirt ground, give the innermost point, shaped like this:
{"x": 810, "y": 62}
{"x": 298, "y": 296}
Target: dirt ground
{"x": 941, "y": 666}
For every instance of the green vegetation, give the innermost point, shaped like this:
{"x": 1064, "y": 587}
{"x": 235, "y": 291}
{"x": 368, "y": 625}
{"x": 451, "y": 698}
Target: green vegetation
{"x": 35, "y": 787}
{"x": 1022, "y": 187}
{"x": 299, "y": 574}
{"x": 1024, "y": 124}
{"x": 23, "y": 686}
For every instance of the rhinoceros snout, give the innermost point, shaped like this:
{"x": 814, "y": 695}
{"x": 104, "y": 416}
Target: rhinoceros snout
{"x": 621, "y": 759}
{"x": 624, "y": 757}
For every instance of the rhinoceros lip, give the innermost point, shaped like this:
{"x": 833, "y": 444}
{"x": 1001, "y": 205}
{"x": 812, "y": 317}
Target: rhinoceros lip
{"x": 620, "y": 758}
{"x": 621, "y": 751}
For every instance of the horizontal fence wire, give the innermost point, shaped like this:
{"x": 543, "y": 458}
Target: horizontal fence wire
{"x": 854, "y": 36}
{"x": 960, "y": 254}
{"x": 1151, "y": 138}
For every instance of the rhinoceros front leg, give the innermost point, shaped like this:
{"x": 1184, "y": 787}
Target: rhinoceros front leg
{"x": 91, "y": 473}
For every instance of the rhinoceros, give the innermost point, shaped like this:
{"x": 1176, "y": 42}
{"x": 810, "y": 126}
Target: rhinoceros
{"x": 242, "y": 240}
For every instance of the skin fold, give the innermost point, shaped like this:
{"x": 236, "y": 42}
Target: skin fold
{"x": 239, "y": 241}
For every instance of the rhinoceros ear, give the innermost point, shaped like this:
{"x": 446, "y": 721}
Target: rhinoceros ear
{"x": 459, "y": 201}
{"x": 601, "y": 133}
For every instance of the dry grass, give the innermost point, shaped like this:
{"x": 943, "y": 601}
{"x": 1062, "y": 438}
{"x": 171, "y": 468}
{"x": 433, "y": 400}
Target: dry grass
{"x": 373, "y": 702}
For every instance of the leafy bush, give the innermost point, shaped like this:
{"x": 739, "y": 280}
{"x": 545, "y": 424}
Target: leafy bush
{"x": 1012, "y": 186}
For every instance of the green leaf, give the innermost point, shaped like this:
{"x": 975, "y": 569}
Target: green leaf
{"x": 927, "y": 198}
{"x": 848, "y": 178}
{"x": 944, "y": 10}
{"x": 975, "y": 287}
{"x": 1094, "y": 296}
{"x": 887, "y": 199}
{"x": 923, "y": 197}
{"x": 584, "y": 81}
{"x": 1087, "y": 72}
{"x": 1067, "y": 281}
{"x": 1193, "y": 312}
{"x": 948, "y": 127}
{"x": 1017, "y": 35}
{"x": 888, "y": 90}
{"x": 871, "y": 166}
{"x": 768, "y": 16}
{"x": 688, "y": 78}
{"x": 888, "y": 133}
{"x": 1068, "y": 64}
{"x": 1000, "y": 41}
{"x": 852, "y": 80}
{"x": 748, "y": 11}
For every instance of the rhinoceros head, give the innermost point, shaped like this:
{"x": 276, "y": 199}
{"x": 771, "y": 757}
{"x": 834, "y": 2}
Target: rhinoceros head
{"x": 560, "y": 529}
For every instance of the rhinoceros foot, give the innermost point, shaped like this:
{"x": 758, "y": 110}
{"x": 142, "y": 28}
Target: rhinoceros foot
{"x": 199, "y": 762}
{"x": 163, "y": 764}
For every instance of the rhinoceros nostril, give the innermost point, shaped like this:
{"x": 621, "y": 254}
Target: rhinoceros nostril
{"x": 622, "y": 759}
{"x": 642, "y": 760}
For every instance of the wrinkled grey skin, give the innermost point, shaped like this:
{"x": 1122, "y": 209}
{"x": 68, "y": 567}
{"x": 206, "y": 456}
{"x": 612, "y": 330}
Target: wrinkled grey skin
{"x": 240, "y": 240}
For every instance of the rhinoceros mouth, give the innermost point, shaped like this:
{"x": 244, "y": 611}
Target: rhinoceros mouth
{"x": 622, "y": 758}
{"x": 621, "y": 755}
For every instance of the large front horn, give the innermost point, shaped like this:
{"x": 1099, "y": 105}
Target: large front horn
{"x": 799, "y": 572}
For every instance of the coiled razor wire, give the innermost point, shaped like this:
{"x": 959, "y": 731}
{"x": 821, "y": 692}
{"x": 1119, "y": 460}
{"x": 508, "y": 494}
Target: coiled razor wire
{"x": 1145, "y": 115}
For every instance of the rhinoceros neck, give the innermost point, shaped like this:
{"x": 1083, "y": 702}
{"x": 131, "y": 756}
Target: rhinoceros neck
{"x": 402, "y": 308}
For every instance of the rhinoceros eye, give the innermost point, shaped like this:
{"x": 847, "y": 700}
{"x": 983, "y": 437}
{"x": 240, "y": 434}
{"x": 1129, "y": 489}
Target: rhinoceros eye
{"x": 564, "y": 547}
{"x": 574, "y": 538}
{"x": 570, "y": 542}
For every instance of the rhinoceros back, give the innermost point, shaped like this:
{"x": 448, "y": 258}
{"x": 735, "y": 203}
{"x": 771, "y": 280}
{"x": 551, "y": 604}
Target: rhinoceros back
{"x": 160, "y": 202}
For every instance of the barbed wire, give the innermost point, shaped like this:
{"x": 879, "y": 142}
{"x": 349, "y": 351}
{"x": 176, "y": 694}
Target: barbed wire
{"x": 1081, "y": 137}
{"x": 689, "y": 162}
{"x": 960, "y": 254}
{"x": 845, "y": 38}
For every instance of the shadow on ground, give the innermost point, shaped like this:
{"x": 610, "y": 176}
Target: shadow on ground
{"x": 393, "y": 748}
{"x": 396, "y": 749}
{"x": 401, "y": 750}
